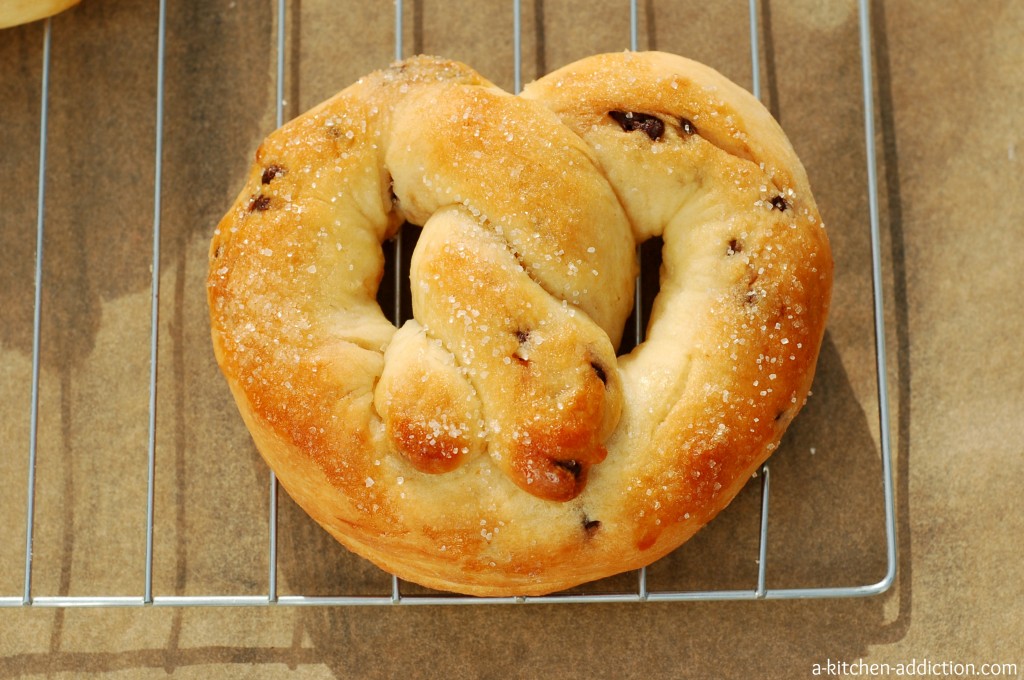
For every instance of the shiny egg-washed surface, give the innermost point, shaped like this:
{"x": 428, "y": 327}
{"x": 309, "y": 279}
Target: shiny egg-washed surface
{"x": 495, "y": 444}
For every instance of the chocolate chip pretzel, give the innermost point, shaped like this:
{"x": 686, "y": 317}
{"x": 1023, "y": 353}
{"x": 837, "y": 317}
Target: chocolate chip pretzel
{"x": 495, "y": 444}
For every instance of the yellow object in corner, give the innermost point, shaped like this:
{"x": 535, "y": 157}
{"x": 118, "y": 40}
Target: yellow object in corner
{"x": 16, "y": 12}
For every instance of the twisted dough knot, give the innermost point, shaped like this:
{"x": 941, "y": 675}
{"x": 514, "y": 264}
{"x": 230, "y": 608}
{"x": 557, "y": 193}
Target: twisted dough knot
{"x": 495, "y": 444}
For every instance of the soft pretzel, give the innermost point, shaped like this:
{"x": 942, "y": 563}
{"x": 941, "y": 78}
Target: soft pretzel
{"x": 495, "y": 444}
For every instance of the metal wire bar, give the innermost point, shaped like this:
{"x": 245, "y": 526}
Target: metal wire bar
{"x": 755, "y": 50}
{"x": 879, "y": 295}
{"x": 638, "y": 330}
{"x": 762, "y": 543}
{"x": 272, "y": 504}
{"x": 517, "y": 45}
{"x": 398, "y": 53}
{"x": 634, "y": 45}
{"x": 634, "y": 25}
{"x": 33, "y": 441}
{"x": 154, "y": 330}
{"x": 272, "y": 541}
{"x": 762, "y": 540}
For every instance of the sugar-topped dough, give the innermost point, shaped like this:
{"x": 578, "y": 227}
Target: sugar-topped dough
{"x": 495, "y": 444}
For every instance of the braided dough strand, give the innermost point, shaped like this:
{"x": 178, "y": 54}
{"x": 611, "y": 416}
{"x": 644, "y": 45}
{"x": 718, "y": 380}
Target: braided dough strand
{"x": 494, "y": 444}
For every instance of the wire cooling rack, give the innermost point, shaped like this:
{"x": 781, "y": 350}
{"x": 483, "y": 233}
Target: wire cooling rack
{"x": 642, "y": 593}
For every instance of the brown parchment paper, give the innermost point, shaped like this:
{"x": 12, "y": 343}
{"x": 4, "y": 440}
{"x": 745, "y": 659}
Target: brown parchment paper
{"x": 949, "y": 86}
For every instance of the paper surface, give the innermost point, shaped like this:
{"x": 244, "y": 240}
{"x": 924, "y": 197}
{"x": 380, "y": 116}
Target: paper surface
{"x": 949, "y": 84}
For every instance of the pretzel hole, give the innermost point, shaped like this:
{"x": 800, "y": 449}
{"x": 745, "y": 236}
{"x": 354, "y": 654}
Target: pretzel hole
{"x": 650, "y": 283}
{"x": 735, "y": 246}
{"x": 779, "y": 203}
{"x": 599, "y": 370}
{"x": 397, "y": 259}
{"x": 591, "y": 526}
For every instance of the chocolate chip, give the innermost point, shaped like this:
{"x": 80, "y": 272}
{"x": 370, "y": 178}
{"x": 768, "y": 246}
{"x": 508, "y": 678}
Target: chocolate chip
{"x": 687, "y": 127}
{"x": 599, "y": 370}
{"x": 272, "y": 172}
{"x": 260, "y": 203}
{"x": 652, "y": 126}
{"x": 522, "y": 353}
{"x": 735, "y": 246}
{"x": 573, "y": 466}
{"x": 779, "y": 203}
{"x": 591, "y": 526}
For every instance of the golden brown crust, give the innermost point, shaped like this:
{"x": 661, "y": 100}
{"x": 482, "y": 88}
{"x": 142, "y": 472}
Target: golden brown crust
{"x": 495, "y": 445}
